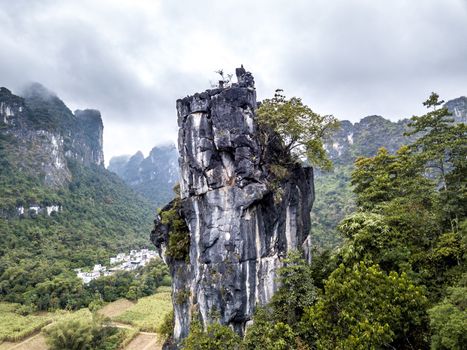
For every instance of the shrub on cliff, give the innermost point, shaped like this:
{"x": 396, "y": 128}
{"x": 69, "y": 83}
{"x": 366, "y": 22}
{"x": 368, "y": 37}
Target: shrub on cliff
{"x": 178, "y": 246}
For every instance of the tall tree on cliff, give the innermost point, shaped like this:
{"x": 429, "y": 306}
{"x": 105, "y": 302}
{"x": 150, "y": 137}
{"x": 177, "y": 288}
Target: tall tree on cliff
{"x": 299, "y": 128}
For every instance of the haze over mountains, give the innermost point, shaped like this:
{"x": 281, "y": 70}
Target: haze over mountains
{"x": 154, "y": 176}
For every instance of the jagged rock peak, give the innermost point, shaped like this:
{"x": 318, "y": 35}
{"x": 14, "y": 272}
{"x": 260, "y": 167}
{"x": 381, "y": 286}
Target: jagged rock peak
{"x": 241, "y": 220}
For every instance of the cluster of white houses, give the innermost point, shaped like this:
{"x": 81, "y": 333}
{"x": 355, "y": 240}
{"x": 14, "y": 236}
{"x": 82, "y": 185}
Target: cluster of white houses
{"x": 30, "y": 211}
{"x": 37, "y": 209}
{"x": 121, "y": 262}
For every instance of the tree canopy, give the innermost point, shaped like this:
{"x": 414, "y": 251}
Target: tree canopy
{"x": 301, "y": 130}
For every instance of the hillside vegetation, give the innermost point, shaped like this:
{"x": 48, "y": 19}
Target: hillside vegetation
{"x": 97, "y": 214}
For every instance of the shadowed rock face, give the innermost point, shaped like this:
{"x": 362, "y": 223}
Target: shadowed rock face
{"x": 241, "y": 219}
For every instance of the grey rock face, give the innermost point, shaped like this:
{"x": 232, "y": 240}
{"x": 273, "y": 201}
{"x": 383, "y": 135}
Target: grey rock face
{"x": 458, "y": 108}
{"x": 47, "y": 134}
{"x": 242, "y": 221}
{"x": 88, "y": 142}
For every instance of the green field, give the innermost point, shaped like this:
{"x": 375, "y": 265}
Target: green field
{"x": 14, "y": 327}
{"x": 148, "y": 313}
{"x": 145, "y": 315}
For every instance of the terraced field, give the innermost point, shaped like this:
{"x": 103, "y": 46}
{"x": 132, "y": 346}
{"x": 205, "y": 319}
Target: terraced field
{"x": 138, "y": 320}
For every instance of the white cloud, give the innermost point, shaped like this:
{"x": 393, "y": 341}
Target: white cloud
{"x": 133, "y": 59}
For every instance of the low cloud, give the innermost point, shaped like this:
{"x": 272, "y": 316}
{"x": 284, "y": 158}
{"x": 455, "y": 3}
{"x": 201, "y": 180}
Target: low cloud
{"x": 133, "y": 59}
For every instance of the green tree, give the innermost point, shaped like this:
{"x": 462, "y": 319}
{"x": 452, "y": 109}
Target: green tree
{"x": 268, "y": 333}
{"x": 448, "y": 321}
{"x": 73, "y": 335}
{"x": 297, "y": 291}
{"x": 216, "y": 337}
{"x": 300, "y": 130}
{"x": 380, "y": 179}
{"x": 63, "y": 291}
{"x": 80, "y": 332}
{"x": 364, "y": 308}
{"x": 442, "y": 149}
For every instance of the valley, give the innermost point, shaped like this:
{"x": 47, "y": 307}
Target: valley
{"x": 66, "y": 220}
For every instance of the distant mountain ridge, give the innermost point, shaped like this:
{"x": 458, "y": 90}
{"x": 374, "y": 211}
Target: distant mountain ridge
{"x": 154, "y": 177}
{"x": 334, "y": 196}
{"x": 365, "y": 137}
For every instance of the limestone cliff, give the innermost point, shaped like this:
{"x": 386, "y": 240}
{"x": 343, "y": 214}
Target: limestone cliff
{"x": 241, "y": 218}
{"x": 45, "y": 134}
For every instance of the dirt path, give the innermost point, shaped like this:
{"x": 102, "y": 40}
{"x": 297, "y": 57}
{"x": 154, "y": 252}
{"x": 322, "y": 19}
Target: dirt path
{"x": 36, "y": 342}
{"x": 143, "y": 341}
{"x": 146, "y": 341}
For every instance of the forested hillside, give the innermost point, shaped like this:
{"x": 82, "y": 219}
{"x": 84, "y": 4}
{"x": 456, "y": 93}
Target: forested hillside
{"x": 334, "y": 196}
{"x": 60, "y": 209}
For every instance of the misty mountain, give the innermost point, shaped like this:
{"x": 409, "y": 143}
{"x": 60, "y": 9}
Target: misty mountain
{"x": 154, "y": 177}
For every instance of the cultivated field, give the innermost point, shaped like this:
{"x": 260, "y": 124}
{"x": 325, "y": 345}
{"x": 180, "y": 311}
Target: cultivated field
{"x": 14, "y": 327}
{"x": 116, "y": 308}
{"x": 148, "y": 313}
{"x": 23, "y": 332}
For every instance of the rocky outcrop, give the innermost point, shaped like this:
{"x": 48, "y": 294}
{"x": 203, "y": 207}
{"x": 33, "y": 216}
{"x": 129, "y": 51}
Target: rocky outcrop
{"x": 241, "y": 218}
{"x": 87, "y": 143}
{"x": 46, "y": 134}
{"x": 458, "y": 108}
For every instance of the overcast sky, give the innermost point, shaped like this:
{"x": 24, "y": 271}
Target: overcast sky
{"x": 132, "y": 59}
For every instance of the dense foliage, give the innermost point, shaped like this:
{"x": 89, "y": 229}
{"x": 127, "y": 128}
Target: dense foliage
{"x": 216, "y": 337}
{"x": 49, "y": 286}
{"x": 448, "y": 320}
{"x": 334, "y": 198}
{"x": 82, "y": 332}
{"x": 131, "y": 285}
{"x": 364, "y": 308}
{"x": 99, "y": 215}
{"x": 398, "y": 280}
{"x": 300, "y": 130}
